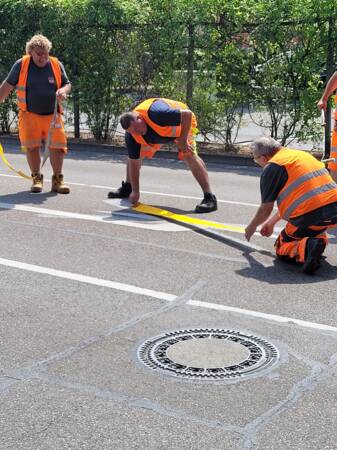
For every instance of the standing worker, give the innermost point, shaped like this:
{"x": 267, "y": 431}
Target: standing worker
{"x": 152, "y": 123}
{"x": 322, "y": 104}
{"x": 40, "y": 80}
{"x": 306, "y": 197}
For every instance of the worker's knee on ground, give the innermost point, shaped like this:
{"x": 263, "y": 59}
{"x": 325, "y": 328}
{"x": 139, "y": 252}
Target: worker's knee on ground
{"x": 293, "y": 249}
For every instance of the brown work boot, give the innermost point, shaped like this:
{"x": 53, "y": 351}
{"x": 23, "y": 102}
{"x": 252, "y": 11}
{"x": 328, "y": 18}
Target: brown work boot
{"x": 57, "y": 184}
{"x": 37, "y": 182}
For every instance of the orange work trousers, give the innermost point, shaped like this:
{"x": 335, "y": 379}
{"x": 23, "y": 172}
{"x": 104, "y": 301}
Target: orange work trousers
{"x": 292, "y": 240}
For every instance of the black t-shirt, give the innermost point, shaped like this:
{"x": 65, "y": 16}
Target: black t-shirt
{"x": 41, "y": 86}
{"x": 161, "y": 114}
{"x": 273, "y": 179}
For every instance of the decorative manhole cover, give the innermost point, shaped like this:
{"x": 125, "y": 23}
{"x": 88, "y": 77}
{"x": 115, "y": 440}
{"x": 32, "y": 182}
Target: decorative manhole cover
{"x": 208, "y": 354}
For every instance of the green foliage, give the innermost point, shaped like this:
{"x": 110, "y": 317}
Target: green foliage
{"x": 267, "y": 54}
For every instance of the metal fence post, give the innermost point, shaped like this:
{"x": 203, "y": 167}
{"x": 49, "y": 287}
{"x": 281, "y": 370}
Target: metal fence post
{"x": 330, "y": 67}
{"x": 190, "y": 66}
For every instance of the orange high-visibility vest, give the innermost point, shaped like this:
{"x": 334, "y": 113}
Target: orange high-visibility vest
{"x": 22, "y": 83}
{"x": 147, "y": 150}
{"x": 309, "y": 185}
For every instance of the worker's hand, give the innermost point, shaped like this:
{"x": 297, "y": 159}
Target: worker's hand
{"x": 267, "y": 229}
{"x": 184, "y": 146}
{"x": 249, "y": 231}
{"x": 61, "y": 95}
{"x": 322, "y": 104}
{"x": 134, "y": 197}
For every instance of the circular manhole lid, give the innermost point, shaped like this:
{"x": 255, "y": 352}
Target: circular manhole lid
{"x": 208, "y": 354}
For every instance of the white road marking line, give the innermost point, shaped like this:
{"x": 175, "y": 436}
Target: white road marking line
{"x": 161, "y": 194}
{"x": 154, "y": 224}
{"x": 74, "y": 184}
{"x": 198, "y": 198}
{"x": 159, "y": 295}
{"x": 116, "y": 218}
{"x": 98, "y": 186}
{"x": 261, "y": 315}
{"x": 87, "y": 279}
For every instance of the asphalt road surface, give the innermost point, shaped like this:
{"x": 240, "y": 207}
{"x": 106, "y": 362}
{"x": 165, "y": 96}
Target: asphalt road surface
{"x": 85, "y": 283}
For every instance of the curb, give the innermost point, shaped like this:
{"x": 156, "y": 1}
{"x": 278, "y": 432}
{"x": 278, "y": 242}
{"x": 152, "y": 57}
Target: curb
{"x": 232, "y": 160}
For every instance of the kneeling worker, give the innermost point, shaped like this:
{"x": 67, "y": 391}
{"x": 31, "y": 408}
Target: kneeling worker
{"x": 306, "y": 197}
{"x": 154, "y": 122}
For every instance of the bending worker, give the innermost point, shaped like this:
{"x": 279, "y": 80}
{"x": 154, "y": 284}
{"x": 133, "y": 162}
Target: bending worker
{"x": 306, "y": 197}
{"x": 322, "y": 104}
{"x": 40, "y": 79}
{"x": 152, "y": 123}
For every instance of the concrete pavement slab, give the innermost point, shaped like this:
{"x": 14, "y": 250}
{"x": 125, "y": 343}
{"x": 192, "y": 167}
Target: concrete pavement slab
{"x": 311, "y": 422}
{"x": 40, "y": 415}
{"x": 112, "y": 365}
{"x": 42, "y": 315}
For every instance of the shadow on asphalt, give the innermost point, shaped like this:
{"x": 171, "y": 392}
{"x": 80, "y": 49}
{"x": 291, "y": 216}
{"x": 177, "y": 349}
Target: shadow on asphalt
{"x": 285, "y": 273}
{"x": 23, "y": 197}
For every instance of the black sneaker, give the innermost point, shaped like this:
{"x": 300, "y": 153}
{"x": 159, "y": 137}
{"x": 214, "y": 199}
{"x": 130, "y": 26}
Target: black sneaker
{"x": 122, "y": 192}
{"x": 313, "y": 251}
{"x": 208, "y": 204}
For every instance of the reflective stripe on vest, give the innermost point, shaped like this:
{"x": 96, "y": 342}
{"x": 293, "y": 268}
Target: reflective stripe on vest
{"x": 147, "y": 151}
{"x": 299, "y": 181}
{"x": 309, "y": 185}
{"x": 319, "y": 190}
{"x": 23, "y": 75}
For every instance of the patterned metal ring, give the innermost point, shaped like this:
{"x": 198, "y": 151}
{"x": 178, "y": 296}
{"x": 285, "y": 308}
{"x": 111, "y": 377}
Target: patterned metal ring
{"x": 157, "y": 354}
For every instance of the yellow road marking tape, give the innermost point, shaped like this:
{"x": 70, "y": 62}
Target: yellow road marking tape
{"x": 19, "y": 172}
{"x": 153, "y": 211}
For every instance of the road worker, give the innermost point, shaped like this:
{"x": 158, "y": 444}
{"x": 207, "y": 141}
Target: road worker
{"x": 306, "y": 197}
{"x": 39, "y": 80}
{"x": 154, "y": 122}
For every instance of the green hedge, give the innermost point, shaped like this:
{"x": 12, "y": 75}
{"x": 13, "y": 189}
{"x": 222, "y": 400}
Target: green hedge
{"x": 219, "y": 55}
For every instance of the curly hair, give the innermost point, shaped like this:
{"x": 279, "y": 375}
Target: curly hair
{"x": 38, "y": 41}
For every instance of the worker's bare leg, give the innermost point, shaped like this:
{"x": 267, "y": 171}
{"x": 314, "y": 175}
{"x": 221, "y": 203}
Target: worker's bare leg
{"x": 34, "y": 159}
{"x": 199, "y": 171}
{"x": 34, "y": 162}
{"x": 56, "y": 161}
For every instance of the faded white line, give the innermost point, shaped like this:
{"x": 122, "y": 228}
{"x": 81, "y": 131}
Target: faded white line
{"x": 161, "y": 194}
{"x": 87, "y": 279}
{"x": 160, "y": 295}
{"x": 261, "y": 315}
{"x": 132, "y": 241}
